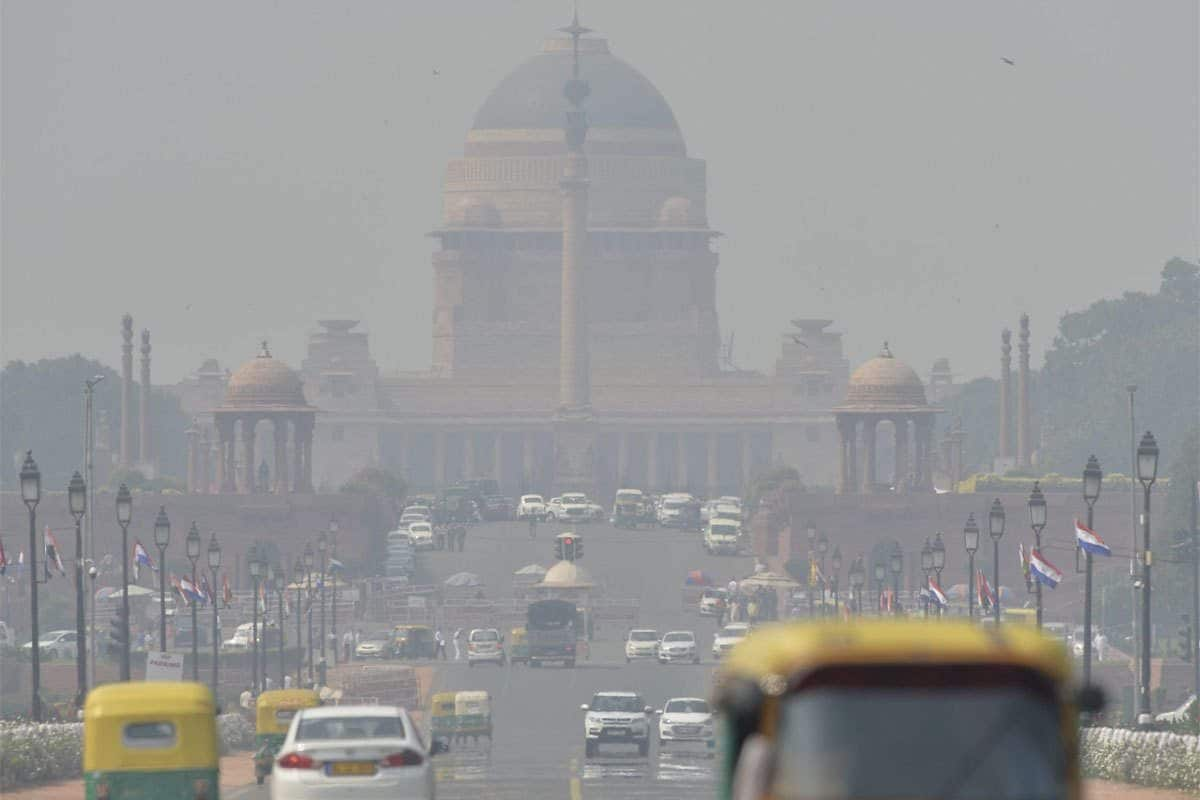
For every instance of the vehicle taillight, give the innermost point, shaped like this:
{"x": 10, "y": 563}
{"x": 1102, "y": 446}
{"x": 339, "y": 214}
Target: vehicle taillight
{"x": 404, "y": 758}
{"x": 297, "y": 761}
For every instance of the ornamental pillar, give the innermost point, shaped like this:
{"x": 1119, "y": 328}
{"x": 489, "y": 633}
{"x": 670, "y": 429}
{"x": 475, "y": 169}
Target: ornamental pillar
{"x": 439, "y": 458}
{"x": 901, "y": 466}
{"x": 468, "y": 455}
{"x": 248, "y": 473}
{"x": 652, "y": 462}
{"x": 622, "y": 459}
{"x": 870, "y": 428}
{"x": 714, "y": 478}
{"x": 497, "y": 458}
{"x": 527, "y": 465}
{"x": 682, "y": 478}
{"x": 279, "y": 432}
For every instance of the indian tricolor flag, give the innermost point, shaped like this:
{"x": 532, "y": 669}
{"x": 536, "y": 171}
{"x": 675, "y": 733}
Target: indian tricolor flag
{"x": 1089, "y": 541}
{"x": 936, "y": 593}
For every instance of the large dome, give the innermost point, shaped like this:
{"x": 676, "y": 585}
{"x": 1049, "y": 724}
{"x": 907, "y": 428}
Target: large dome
{"x": 265, "y": 382}
{"x": 531, "y": 96}
{"x": 885, "y": 383}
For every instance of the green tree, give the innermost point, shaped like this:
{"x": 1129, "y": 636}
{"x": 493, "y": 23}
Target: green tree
{"x": 1173, "y": 542}
{"x": 782, "y": 478}
{"x": 376, "y": 481}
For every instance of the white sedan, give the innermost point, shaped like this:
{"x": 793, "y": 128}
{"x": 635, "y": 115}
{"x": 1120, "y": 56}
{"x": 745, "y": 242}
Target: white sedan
{"x": 364, "y": 752}
{"x": 727, "y": 637}
{"x": 686, "y": 719}
{"x": 421, "y": 535}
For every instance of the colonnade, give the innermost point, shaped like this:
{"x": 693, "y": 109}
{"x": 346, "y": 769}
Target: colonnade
{"x": 292, "y": 436}
{"x": 913, "y": 469}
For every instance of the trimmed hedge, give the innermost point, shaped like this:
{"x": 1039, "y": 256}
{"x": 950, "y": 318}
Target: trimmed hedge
{"x": 33, "y": 753}
{"x": 1167, "y": 760}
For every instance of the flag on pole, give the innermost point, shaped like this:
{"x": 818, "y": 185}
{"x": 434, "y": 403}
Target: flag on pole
{"x": 937, "y": 595}
{"x": 189, "y": 590}
{"x": 987, "y": 598}
{"x": 177, "y": 588}
{"x": 885, "y": 600}
{"x": 1089, "y": 541}
{"x": 141, "y": 558}
{"x": 52, "y": 554}
{"x": 205, "y": 590}
{"x": 1043, "y": 570}
{"x": 226, "y": 590}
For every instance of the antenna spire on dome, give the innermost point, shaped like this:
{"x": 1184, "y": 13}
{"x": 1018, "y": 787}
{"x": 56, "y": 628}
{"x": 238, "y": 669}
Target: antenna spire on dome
{"x": 887, "y": 351}
{"x": 264, "y": 352}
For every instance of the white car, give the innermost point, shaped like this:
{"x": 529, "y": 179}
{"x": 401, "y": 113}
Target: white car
{"x": 409, "y": 519}
{"x": 421, "y": 535}
{"x": 642, "y": 643}
{"x": 711, "y": 601}
{"x": 678, "y": 646}
{"x": 364, "y": 752}
{"x": 375, "y": 645}
{"x": 485, "y": 644}
{"x": 532, "y": 506}
{"x": 686, "y": 719}
{"x": 616, "y": 718}
{"x": 54, "y": 644}
{"x": 595, "y": 512}
{"x": 729, "y": 636}
{"x": 672, "y": 507}
{"x": 572, "y": 507}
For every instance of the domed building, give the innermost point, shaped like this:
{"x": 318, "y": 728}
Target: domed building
{"x": 885, "y": 389}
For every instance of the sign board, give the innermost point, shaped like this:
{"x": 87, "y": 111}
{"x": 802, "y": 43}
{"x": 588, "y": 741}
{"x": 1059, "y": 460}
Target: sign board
{"x": 164, "y": 666}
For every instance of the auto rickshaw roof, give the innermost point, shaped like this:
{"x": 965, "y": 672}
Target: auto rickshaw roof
{"x": 788, "y": 649}
{"x": 135, "y": 698}
{"x": 288, "y": 698}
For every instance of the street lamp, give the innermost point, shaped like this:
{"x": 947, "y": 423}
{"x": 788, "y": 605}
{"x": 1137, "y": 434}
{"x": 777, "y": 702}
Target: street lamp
{"x": 31, "y": 494}
{"x": 280, "y": 580}
{"x": 896, "y": 565}
{"x": 124, "y": 516}
{"x": 836, "y": 563}
{"x": 309, "y": 559}
{"x": 857, "y": 578}
{"x": 77, "y": 502}
{"x": 996, "y": 531}
{"x": 971, "y": 543}
{"x": 333, "y": 532}
{"x": 1147, "y": 469}
{"x": 926, "y": 567}
{"x": 297, "y": 576}
{"x": 193, "y": 553}
{"x": 1037, "y": 521}
{"x": 162, "y": 537}
{"x": 214, "y": 563}
{"x": 822, "y": 549}
{"x": 255, "y": 573}
{"x": 1092, "y": 478}
{"x": 939, "y": 562}
{"x": 322, "y": 545}
{"x": 880, "y": 572}
{"x": 811, "y": 530}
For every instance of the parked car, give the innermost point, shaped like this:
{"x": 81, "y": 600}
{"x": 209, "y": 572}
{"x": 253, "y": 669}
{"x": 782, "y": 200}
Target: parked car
{"x": 55, "y": 644}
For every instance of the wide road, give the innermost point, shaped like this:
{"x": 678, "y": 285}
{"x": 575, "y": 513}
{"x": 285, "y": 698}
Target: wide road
{"x": 538, "y": 748}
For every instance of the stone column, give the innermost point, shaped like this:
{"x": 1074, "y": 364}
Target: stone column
{"x": 297, "y": 456}
{"x": 652, "y": 462}
{"x": 901, "y": 467}
{"x": 249, "y": 423}
{"x": 226, "y": 471}
{"x": 843, "y": 484}
{"x": 870, "y": 425}
{"x": 402, "y": 453}
{"x": 126, "y": 391}
{"x": 744, "y": 442}
{"x": 852, "y": 455}
{"x": 308, "y": 441}
{"x": 439, "y": 458}
{"x": 1004, "y": 445}
{"x": 205, "y": 468}
{"x": 527, "y": 465}
{"x": 469, "y": 454}
{"x": 924, "y": 442}
{"x": 279, "y": 431}
{"x": 192, "y": 458}
{"x": 573, "y": 369}
{"x": 622, "y": 459}
{"x": 1023, "y": 451}
{"x": 498, "y": 457}
{"x": 714, "y": 477}
{"x": 145, "y": 452}
{"x": 682, "y": 478}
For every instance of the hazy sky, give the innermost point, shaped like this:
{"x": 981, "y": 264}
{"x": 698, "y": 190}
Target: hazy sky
{"x": 228, "y": 171}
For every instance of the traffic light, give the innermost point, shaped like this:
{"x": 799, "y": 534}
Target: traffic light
{"x": 558, "y": 548}
{"x": 1185, "y": 638}
{"x": 578, "y": 548}
{"x": 569, "y": 548}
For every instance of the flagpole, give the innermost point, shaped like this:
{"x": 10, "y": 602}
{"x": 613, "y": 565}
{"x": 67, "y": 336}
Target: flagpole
{"x": 1091, "y": 492}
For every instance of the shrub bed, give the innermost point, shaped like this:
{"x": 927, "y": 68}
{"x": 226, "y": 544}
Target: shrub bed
{"x": 32, "y": 753}
{"x": 1167, "y": 760}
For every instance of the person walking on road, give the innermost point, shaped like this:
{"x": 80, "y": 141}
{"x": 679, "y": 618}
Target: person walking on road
{"x": 457, "y": 647}
{"x": 440, "y": 640}
{"x": 347, "y": 645}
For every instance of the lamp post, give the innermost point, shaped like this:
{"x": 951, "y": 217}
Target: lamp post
{"x": 297, "y": 576}
{"x": 322, "y": 545}
{"x": 193, "y": 553}
{"x": 971, "y": 543}
{"x": 1092, "y": 478}
{"x": 1037, "y": 521}
{"x": 333, "y": 532}
{"x": 939, "y": 563}
{"x": 880, "y": 572}
{"x": 280, "y": 588}
{"x": 309, "y": 559}
{"x": 255, "y": 573}
{"x": 124, "y": 516}
{"x": 996, "y": 531}
{"x": 77, "y": 502}
{"x": 267, "y": 590}
{"x": 811, "y": 530}
{"x": 162, "y": 537}
{"x": 1147, "y": 470}
{"x": 836, "y": 563}
{"x": 214, "y": 563}
{"x": 858, "y": 576}
{"x": 822, "y": 549}
{"x": 31, "y": 494}
{"x": 926, "y": 567}
{"x": 896, "y": 565}
{"x": 89, "y": 477}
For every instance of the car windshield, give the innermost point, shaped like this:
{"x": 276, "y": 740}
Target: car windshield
{"x": 643, "y": 636}
{"x": 976, "y": 742}
{"x": 733, "y": 633}
{"x": 485, "y": 636}
{"x": 574, "y": 499}
{"x": 608, "y": 702}
{"x": 725, "y": 530}
{"x": 679, "y": 637}
{"x": 673, "y": 505}
{"x": 350, "y": 728}
{"x": 621, "y": 496}
{"x": 686, "y": 707}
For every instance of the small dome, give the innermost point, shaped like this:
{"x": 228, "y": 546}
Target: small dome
{"x": 265, "y": 382}
{"x": 885, "y": 382}
{"x": 678, "y": 212}
{"x": 474, "y": 212}
{"x": 566, "y": 575}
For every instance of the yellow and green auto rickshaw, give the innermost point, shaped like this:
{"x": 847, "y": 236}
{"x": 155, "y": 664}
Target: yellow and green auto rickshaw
{"x": 473, "y": 715}
{"x": 903, "y": 708}
{"x": 441, "y": 716}
{"x": 273, "y": 714}
{"x": 150, "y": 739}
{"x": 518, "y": 646}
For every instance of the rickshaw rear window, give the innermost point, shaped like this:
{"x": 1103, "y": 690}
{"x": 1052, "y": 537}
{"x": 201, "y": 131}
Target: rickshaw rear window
{"x": 284, "y": 715}
{"x": 148, "y": 734}
{"x": 351, "y": 728}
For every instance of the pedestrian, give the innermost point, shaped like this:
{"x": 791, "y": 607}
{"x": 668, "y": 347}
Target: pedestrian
{"x": 287, "y": 681}
{"x": 347, "y": 645}
{"x": 457, "y": 637}
{"x": 270, "y": 684}
{"x": 440, "y": 640}
{"x": 720, "y": 612}
{"x": 732, "y": 588}
{"x": 246, "y": 699}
